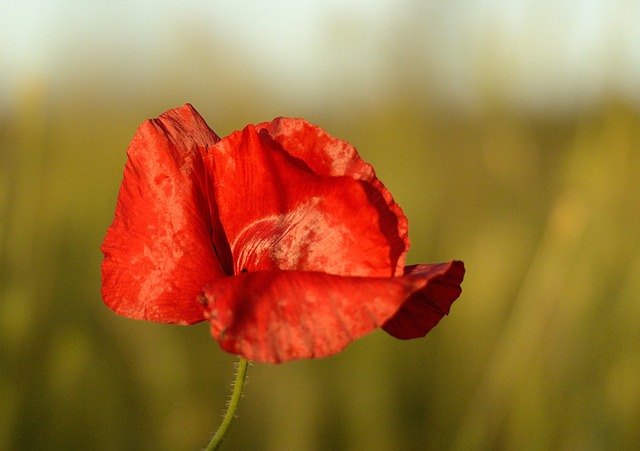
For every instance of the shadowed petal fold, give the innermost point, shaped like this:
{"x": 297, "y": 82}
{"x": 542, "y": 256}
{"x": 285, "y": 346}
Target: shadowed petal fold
{"x": 426, "y": 307}
{"x": 158, "y": 251}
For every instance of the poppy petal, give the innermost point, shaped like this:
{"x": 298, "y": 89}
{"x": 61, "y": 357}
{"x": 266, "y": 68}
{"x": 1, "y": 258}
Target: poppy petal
{"x": 426, "y": 307}
{"x": 321, "y": 152}
{"x": 278, "y": 213}
{"x": 326, "y": 155}
{"x": 158, "y": 251}
{"x": 277, "y": 316}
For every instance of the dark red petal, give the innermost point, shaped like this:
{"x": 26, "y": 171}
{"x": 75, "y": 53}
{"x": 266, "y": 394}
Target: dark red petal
{"x": 278, "y": 213}
{"x": 158, "y": 251}
{"x": 276, "y": 316}
{"x": 426, "y": 307}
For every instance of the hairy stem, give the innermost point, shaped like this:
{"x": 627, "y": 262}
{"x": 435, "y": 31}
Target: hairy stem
{"x": 230, "y": 414}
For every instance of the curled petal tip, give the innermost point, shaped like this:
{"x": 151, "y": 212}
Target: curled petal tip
{"x": 428, "y": 305}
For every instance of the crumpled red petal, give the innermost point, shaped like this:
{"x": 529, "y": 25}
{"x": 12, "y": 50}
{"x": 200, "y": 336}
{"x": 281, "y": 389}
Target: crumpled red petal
{"x": 326, "y": 155}
{"x": 277, "y": 316}
{"x": 426, "y": 307}
{"x": 158, "y": 251}
{"x": 321, "y": 238}
{"x": 295, "y": 210}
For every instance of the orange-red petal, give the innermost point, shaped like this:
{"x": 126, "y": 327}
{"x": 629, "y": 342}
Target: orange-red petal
{"x": 282, "y": 209}
{"x": 159, "y": 251}
{"x": 277, "y": 316}
{"x": 326, "y": 155}
{"x": 321, "y": 238}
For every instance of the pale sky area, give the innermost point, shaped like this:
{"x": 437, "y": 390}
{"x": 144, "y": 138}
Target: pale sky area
{"x": 528, "y": 53}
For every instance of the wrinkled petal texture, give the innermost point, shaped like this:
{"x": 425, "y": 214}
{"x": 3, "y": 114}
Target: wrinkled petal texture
{"x": 277, "y": 316}
{"x": 329, "y": 156}
{"x": 158, "y": 251}
{"x": 292, "y": 198}
{"x": 279, "y": 234}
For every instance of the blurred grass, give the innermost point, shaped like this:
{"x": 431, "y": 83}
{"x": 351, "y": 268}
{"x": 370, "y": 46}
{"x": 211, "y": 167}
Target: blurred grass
{"x": 541, "y": 352}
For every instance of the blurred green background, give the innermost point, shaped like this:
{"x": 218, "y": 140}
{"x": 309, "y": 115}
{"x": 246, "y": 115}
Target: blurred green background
{"x": 508, "y": 131}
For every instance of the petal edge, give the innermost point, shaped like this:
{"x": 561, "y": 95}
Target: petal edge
{"x": 158, "y": 252}
{"x": 426, "y": 307}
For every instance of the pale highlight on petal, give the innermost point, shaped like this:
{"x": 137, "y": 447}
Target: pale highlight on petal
{"x": 297, "y": 239}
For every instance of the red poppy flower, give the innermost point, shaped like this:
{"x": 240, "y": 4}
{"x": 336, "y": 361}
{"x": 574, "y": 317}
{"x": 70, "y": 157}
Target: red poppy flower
{"x": 279, "y": 235}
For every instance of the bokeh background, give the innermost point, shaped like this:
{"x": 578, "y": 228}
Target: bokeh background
{"x": 509, "y": 131}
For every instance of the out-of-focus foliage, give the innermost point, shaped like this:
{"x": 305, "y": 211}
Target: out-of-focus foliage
{"x": 542, "y": 351}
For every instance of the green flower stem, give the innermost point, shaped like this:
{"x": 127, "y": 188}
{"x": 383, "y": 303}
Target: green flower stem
{"x": 232, "y": 407}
